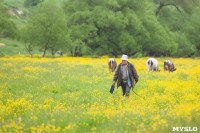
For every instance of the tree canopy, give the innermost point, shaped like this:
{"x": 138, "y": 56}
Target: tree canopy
{"x": 115, "y": 27}
{"x": 29, "y": 3}
{"x": 46, "y": 28}
{"x": 7, "y": 27}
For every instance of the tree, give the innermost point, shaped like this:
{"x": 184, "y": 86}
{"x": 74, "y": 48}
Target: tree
{"x": 118, "y": 26}
{"x": 185, "y": 47}
{"x": 165, "y": 3}
{"x": 28, "y": 38}
{"x": 7, "y": 27}
{"x": 173, "y": 13}
{"x": 48, "y": 27}
{"x": 192, "y": 29}
{"x": 99, "y": 25}
{"x": 29, "y": 3}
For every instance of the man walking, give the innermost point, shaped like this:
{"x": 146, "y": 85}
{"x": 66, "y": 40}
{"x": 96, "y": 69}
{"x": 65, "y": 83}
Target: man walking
{"x": 125, "y": 75}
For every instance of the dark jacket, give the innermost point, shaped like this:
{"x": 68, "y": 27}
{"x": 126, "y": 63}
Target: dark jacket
{"x": 132, "y": 74}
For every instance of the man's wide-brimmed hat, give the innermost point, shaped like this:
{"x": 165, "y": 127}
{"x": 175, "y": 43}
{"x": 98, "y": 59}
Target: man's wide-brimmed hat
{"x": 124, "y": 57}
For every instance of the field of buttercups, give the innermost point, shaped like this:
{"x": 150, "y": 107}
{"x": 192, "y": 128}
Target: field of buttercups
{"x": 72, "y": 95}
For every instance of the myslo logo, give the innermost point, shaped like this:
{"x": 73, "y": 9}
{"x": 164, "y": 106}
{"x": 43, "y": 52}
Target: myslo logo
{"x": 185, "y": 129}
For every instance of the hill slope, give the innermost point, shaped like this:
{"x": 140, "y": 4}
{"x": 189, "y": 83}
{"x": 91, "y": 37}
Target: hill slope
{"x": 19, "y": 16}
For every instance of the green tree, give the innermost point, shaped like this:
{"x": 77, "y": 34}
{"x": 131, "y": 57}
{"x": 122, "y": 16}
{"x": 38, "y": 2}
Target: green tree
{"x": 7, "y": 27}
{"x": 29, "y": 3}
{"x": 48, "y": 27}
{"x": 185, "y": 47}
{"x": 173, "y": 13}
{"x": 105, "y": 26}
{"x": 192, "y": 29}
{"x": 118, "y": 26}
{"x": 134, "y": 27}
{"x": 181, "y": 17}
{"x": 28, "y": 37}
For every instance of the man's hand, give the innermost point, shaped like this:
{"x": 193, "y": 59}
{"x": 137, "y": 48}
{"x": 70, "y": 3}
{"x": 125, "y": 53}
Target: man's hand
{"x": 135, "y": 83}
{"x": 114, "y": 82}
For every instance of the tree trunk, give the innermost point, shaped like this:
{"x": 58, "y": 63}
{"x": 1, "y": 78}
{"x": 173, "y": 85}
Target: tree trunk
{"x": 72, "y": 53}
{"x": 52, "y": 52}
{"x": 159, "y": 8}
{"x": 30, "y": 54}
{"x": 45, "y": 49}
{"x": 29, "y": 49}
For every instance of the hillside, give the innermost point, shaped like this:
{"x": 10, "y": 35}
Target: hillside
{"x": 13, "y": 48}
{"x": 17, "y": 11}
{"x": 18, "y": 14}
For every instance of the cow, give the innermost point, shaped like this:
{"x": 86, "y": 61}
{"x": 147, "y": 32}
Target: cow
{"x": 169, "y": 66}
{"x": 152, "y": 64}
{"x": 112, "y": 64}
{"x": 60, "y": 53}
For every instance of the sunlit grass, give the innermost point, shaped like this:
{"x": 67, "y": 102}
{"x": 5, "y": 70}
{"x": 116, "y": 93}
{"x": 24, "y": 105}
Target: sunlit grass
{"x": 72, "y": 95}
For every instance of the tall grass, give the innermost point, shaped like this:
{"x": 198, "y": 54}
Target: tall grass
{"x": 72, "y": 95}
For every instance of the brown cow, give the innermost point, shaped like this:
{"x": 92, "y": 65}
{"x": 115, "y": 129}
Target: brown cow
{"x": 169, "y": 66}
{"x": 112, "y": 64}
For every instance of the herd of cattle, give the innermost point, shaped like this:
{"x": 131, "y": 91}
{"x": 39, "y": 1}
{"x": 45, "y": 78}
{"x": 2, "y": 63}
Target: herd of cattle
{"x": 152, "y": 65}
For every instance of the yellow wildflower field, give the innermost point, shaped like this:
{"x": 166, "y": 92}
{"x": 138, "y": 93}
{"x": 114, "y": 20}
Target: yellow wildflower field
{"x": 72, "y": 95}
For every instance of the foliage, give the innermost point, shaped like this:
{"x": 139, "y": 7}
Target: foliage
{"x": 7, "y": 27}
{"x": 46, "y": 28}
{"x": 115, "y": 27}
{"x": 28, "y": 38}
{"x": 192, "y": 28}
{"x": 109, "y": 32}
{"x": 185, "y": 47}
{"x": 29, "y": 3}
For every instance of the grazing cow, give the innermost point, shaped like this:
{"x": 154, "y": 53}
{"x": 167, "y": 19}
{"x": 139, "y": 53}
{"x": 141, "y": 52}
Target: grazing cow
{"x": 152, "y": 64}
{"x": 60, "y": 53}
{"x": 112, "y": 64}
{"x": 169, "y": 66}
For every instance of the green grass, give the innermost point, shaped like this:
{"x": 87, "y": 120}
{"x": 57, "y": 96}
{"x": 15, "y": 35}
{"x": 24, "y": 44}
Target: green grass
{"x": 14, "y": 48}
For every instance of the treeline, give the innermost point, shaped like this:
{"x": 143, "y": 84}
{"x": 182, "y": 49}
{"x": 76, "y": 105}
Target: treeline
{"x": 113, "y": 27}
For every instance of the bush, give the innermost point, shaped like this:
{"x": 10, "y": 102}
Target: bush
{"x": 1, "y": 54}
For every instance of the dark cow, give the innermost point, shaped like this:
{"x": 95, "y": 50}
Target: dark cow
{"x": 169, "y": 66}
{"x": 112, "y": 64}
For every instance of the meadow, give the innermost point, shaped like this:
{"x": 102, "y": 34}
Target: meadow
{"x": 72, "y": 95}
